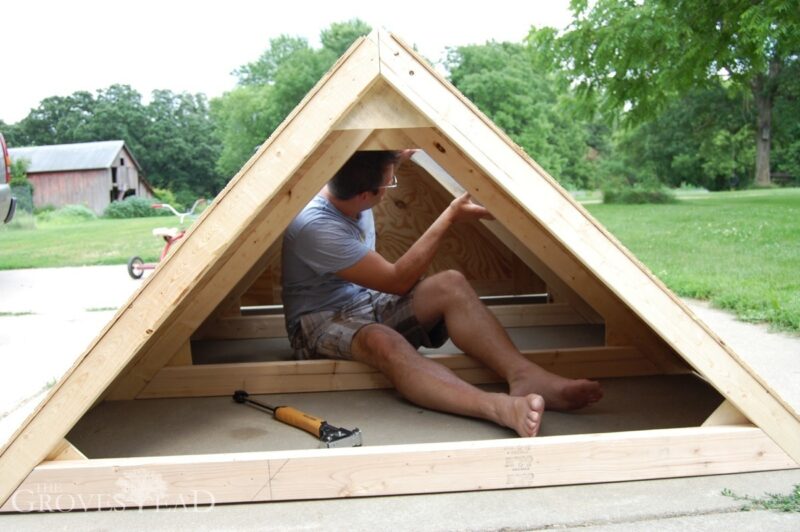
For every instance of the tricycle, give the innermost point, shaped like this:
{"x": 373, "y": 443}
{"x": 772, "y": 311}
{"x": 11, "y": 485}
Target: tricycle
{"x": 136, "y": 266}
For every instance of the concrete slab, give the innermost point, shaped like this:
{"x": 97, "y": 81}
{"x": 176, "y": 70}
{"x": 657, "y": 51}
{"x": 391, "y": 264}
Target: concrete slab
{"x": 162, "y": 427}
{"x": 774, "y": 357}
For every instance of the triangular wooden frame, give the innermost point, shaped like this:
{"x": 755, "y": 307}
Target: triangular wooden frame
{"x": 382, "y": 94}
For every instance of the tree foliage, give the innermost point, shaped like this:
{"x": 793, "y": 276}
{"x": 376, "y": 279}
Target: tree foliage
{"x": 639, "y": 55}
{"x": 270, "y": 87}
{"x": 181, "y": 145}
{"x": 517, "y": 88}
{"x": 702, "y": 139}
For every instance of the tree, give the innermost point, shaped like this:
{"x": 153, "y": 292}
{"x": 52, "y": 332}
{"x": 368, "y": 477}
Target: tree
{"x": 263, "y": 70}
{"x": 338, "y": 38}
{"x": 57, "y": 120}
{"x": 786, "y": 125}
{"x": 702, "y": 139}
{"x": 638, "y": 55}
{"x": 181, "y": 145}
{"x": 118, "y": 114}
{"x": 243, "y": 122}
{"x": 517, "y": 89}
{"x": 270, "y": 87}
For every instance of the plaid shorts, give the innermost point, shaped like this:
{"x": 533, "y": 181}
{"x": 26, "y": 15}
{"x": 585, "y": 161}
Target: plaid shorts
{"x": 329, "y": 333}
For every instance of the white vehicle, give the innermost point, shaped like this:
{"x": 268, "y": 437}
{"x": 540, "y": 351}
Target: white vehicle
{"x": 8, "y": 203}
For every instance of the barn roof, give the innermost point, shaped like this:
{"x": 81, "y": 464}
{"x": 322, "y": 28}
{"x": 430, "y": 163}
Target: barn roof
{"x": 78, "y": 156}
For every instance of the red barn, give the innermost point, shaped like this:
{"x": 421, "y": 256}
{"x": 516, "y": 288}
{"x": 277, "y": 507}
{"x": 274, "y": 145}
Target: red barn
{"x": 88, "y": 173}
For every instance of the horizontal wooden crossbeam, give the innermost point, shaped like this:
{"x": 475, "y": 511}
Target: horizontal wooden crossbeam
{"x": 273, "y": 326}
{"x": 338, "y": 375}
{"x": 187, "y": 481}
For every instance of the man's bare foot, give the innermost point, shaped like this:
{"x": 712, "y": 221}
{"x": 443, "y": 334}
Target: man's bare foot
{"x": 559, "y": 393}
{"x": 523, "y": 414}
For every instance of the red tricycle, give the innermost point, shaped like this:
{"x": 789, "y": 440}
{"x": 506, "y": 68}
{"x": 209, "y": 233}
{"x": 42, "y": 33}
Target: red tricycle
{"x": 136, "y": 266}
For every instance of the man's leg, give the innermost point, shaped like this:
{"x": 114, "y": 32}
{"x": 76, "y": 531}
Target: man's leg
{"x": 476, "y": 331}
{"x": 432, "y": 385}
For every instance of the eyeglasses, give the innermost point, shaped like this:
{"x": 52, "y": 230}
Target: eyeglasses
{"x": 393, "y": 184}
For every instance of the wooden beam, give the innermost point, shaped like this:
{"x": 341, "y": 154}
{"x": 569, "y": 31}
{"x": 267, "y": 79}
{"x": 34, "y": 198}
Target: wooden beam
{"x": 243, "y": 327}
{"x": 219, "y": 248}
{"x": 382, "y": 108}
{"x": 181, "y": 481}
{"x": 388, "y": 139}
{"x": 515, "y": 316}
{"x": 726, "y": 414}
{"x": 65, "y": 451}
{"x": 183, "y": 357}
{"x": 338, "y": 375}
{"x": 273, "y": 325}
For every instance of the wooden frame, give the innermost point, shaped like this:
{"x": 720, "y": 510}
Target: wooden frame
{"x": 273, "y": 325}
{"x": 379, "y": 94}
{"x": 332, "y": 375}
{"x": 181, "y": 481}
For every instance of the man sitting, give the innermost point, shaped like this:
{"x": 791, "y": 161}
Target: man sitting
{"x": 344, "y": 300}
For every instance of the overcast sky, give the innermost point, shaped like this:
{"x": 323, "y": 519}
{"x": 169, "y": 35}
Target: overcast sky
{"x": 57, "y": 47}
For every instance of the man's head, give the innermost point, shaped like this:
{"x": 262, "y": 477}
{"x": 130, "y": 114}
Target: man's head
{"x": 365, "y": 171}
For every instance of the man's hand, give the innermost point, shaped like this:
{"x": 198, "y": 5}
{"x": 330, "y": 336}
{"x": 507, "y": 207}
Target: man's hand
{"x": 463, "y": 209}
{"x": 375, "y": 272}
{"x": 405, "y": 155}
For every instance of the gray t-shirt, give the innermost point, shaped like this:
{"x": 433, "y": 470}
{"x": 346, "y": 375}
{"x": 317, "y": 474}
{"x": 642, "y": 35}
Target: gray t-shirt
{"x": 319, "y": 242}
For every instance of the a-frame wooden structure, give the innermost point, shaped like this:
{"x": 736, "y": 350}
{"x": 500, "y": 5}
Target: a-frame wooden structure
{"x": 381, "y": 95}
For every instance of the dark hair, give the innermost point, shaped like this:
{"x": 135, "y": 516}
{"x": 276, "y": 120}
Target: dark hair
{"x": 363, "y": 172}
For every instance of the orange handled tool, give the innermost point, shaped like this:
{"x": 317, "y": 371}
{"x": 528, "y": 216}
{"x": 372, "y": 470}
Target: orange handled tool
{"x": 328, "y": 435}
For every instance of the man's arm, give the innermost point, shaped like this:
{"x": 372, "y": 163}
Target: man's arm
{"x": 375, "y": 272}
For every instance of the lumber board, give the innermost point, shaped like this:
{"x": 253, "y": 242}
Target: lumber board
{"x": 183, "y": 357}
{"x": 264, "y": 288}
{"x": 514, "y": 316}
{"x": 242, "y": 327}
{"x": 338, "y": 375}
{"x": 726, "y": 414}
{"x": 387, "y": 139}
{"x": 537, "y": 200}
{"x": 231, "y": 305}
{"x": 194, "y": 480}
{"x": 65, "y": 451}
{"x": 273, "y": 325}
{"x": 382, "y": 108}
{"x": 172, "y": 302}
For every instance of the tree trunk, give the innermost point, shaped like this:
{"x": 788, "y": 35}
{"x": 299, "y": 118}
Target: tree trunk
{"x": 763, "y": 137}
{"x": 764, "y": 89}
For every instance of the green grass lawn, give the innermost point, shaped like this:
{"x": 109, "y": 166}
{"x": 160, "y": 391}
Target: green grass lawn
{"x": 101, "y": 241}
{"x": 739, "y": 250}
